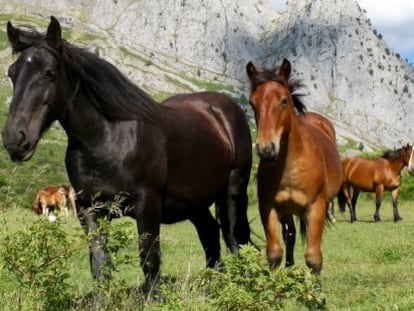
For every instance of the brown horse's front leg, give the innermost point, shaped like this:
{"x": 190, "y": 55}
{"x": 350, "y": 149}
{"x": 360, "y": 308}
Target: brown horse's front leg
{"x": 394, "y": 195}
{"x": 355, "y": 195}
{"x": 270, "y": 221}
{"x": 315, "y": 222}
{"x": 378, "y": 198}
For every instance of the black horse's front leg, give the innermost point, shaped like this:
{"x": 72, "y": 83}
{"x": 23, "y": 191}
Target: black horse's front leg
{"x": 289, "y": 236}
{"x": 148, "y": 217}
{"x": 98, "y": 256}
{"x": 209, "y": 234}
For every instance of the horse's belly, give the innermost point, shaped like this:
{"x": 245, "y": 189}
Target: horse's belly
{"x": 364, "y": 186}
{"x": 175, "y": 210}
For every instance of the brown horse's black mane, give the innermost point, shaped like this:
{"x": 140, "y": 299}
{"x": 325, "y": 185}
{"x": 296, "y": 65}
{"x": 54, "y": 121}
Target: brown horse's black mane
{"x": 392, "y": 155}
{"x": 109, "y": 91}
{"x": 292, "y": 85}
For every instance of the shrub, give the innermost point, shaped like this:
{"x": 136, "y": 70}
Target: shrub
{"x": 37, "y": 257}
{"x": 250, "y": 284}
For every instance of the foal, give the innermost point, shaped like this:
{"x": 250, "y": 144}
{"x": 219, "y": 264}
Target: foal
{"x": 54, "y": 196}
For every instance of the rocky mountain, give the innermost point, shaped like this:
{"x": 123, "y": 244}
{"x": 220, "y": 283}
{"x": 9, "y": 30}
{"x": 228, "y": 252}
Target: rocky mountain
{"x": 350, "y": 72}
{"x": 172, "y": 46}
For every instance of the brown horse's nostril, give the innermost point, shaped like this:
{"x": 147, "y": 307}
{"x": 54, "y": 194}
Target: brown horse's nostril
{"x": 267, "y": 152}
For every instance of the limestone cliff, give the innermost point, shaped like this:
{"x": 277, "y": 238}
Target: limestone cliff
{"x": 171, "y": 46}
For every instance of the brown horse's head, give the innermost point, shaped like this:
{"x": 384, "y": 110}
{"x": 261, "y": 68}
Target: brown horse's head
{"x": 273, "y": 104}
{"x": 409, "y": 154}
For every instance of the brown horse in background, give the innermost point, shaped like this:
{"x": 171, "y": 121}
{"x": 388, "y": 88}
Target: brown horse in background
{"x": 300, "y": 169}
{"x": 374, "y": 175}
{"x": 55, "y": 196}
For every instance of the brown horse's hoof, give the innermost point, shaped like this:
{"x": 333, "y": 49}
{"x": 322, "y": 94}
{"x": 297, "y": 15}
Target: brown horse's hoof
{"x": 397, "y": 219}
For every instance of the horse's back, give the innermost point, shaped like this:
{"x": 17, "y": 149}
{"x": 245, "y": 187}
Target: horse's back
{"x": 361, "y": 173}
{"x": 322, "y": 123}
{"x": 47, "y": 195}
{"x": 323, "y": 134}
{"x": 226, "y": 115}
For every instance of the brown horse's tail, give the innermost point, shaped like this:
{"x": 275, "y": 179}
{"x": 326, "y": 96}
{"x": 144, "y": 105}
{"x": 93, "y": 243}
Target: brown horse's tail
{"x": 342, "y": 200}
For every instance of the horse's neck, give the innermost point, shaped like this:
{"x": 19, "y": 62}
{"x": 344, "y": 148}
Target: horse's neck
{"x": 397, "y": 165}
{"x": 295, "y": 141}
{"x": 84, "y": 124}
{"x": 82, "y": 119}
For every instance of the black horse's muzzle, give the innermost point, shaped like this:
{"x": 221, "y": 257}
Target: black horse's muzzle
{"x": 17, "y": 144}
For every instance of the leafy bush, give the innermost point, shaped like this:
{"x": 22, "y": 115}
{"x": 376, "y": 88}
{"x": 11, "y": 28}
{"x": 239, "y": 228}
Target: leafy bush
{"x": 37, "y": 257}
{"x": 250, "y": 284}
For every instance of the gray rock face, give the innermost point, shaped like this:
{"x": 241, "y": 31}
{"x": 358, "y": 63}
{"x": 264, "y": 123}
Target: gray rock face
{"x": 350, "y": 73}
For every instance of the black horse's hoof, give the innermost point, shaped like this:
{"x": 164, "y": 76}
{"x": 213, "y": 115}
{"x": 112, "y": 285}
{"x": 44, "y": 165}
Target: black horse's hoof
{"x": 397, "y": 219}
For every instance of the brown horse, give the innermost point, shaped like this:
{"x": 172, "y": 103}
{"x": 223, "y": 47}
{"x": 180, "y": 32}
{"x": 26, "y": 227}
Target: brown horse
{"x": 300, "y": 169}
{"x": 55, "y": 196}
{"x": 374, "y": 175}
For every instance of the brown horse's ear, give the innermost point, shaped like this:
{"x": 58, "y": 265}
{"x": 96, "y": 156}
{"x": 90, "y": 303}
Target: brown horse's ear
{"x": 54, "y": 34}
{"x": 285, "y": 69}
{"x": 13, "y": 35}
{"x": 251, "y": 70}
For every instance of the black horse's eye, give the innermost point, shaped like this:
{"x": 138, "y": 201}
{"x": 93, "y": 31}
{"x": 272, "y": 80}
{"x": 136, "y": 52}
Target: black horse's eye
{"x": 49, "y": 75}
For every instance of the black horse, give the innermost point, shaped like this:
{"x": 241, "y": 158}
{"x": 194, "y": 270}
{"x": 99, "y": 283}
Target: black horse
{"x": 170, "y": 161}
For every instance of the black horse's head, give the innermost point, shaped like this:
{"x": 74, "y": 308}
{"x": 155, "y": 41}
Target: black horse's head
{"x": 35, "y": 77}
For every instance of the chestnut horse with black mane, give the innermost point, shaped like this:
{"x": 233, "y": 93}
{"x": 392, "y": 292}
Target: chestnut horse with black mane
{"x": 374, "y": 175}
{"x": 299, "y": 171}
{"x": 169, "y": 161}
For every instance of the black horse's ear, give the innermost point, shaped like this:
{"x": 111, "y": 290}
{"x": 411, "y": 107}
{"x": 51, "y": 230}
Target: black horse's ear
{"x": 285, "y": 70}
{"x": 251, "y": 70}
{"x": 54, "y": 33}
{"x": 14, "y": 37}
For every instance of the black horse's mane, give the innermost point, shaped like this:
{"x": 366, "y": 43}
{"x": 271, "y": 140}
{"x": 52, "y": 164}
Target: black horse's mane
{"x": 392, "y": 155}
{"x": 292, "y": 84}
{"x": 109, "y": 90}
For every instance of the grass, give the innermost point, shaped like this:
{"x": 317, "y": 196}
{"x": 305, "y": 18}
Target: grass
{"x": 367, "y": 265}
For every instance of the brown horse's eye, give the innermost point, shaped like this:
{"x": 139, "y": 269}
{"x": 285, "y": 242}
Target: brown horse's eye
{"x": 284, "y": 103}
